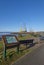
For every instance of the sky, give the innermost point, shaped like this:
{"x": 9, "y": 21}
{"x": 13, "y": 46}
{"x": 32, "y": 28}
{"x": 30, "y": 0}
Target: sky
{"x": 15, "y": 14}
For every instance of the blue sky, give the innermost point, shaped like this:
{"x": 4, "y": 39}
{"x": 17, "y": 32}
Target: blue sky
{"x": 18, "y": 13}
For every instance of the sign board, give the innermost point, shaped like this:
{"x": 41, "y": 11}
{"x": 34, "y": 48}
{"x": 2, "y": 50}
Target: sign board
{"x": 10, "y": 41}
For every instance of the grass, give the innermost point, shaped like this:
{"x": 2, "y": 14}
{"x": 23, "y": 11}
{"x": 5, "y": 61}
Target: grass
{"x": 1, "y": 46}
{"x": 12, "y": 55}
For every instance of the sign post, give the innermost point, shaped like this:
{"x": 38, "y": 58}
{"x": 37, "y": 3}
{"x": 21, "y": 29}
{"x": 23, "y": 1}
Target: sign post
{"x": 4, "y": 52}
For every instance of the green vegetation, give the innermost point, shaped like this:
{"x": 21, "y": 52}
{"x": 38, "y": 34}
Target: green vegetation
{"x": 12, "y": 55}
{"x": 1, "y": 46}
{"x": 27, "y": 36}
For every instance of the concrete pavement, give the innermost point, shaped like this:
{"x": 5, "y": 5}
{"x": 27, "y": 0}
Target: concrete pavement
{"x": 36, "y": 57}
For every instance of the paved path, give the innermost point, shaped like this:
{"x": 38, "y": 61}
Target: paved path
{"x": 34, "y": 58}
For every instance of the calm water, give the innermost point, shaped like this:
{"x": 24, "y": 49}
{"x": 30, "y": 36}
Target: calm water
{"x": 4, "y": 33}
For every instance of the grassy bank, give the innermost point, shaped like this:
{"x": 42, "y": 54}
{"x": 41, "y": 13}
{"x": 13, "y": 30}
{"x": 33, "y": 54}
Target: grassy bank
{"x": 12, "y": 55}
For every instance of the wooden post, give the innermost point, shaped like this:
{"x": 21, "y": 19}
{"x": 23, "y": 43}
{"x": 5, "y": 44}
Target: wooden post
{"x": 18, "y": 48}
{"x": 4, "y": 54}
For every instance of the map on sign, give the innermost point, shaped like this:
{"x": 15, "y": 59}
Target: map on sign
{"x": 11, "y": 39}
